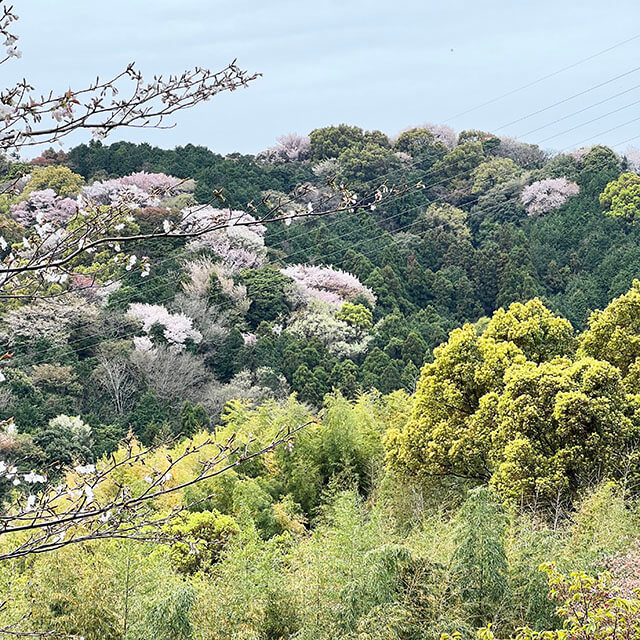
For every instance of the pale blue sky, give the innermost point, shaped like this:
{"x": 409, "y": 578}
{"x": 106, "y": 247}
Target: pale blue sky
{"x": 378, "y": 64}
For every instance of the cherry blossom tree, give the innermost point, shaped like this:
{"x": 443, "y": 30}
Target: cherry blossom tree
{"x": 329, "y": 284}
{"x": 289, "y": 148}
{"x": 126, "y": 100}
{"x": 177, "y": 328}
{"x": 546, "y": 195}
{"x": 44, "y": 207}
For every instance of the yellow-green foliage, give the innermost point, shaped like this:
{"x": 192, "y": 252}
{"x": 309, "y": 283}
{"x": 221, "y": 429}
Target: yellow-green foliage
{"x": 506, "y": 408}
{"x": 614, "y": 334}
{"x": 357, "y": 315}
{"x": 621, "y": 197}
{"x": 202, "y": 536}
{"x": 61, "y": 179}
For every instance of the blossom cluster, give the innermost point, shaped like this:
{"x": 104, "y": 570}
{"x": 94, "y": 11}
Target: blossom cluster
{"x": 177, "y": 327}
{"x": 633, "y": 159}
{"x": 10, "y": 472}
{"x": 289, "y": 148}
{"x": 319, "y": 321}
{"x": 44, "y": 206}
{"x": 157, "y": 183}
{"x": 328, "y": 284}
{"x": 141, "y": 189}
{"x": 239, "y": 246}
{"x": 546, "y": 195}
{"x": 115, "y": 193}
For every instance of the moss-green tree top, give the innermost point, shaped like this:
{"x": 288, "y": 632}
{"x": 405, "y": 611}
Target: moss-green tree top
{"x": 61, "y": 179}
{"x": 621, "y": 197}
{"x": 614, "y": 334}
{"x": 492, "y": 173}
{"x": 462, "y": 160}
{"x": 537, "y": 331}
{"x": 366, "y": 162}
{"x": 512, "y": 407}
{"x": 421, "y": 144}
{"x": 330, "y": 142}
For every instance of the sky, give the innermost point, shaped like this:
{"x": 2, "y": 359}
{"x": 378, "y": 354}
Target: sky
{"x": 378, "y": 64}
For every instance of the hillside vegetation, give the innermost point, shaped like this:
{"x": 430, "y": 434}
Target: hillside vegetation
{"x": 466, "y": 354}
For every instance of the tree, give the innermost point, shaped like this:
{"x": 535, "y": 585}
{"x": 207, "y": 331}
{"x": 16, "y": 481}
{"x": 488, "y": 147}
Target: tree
{"x": 200, "y": 538}
{"x": 267, "y": 289}
{"x": 511, "y": 408}
{"x": 65, "y": 440}
{"x": 535, "y": 330}
{"x": 422, "y": 145}
{"x": 414, "y": 349}
{"x": 458, "y": 164}
{"x": 613, "y": 335}
{"x": 557, "y": 424}
{"x": 193, "y": 418}
{"x": 544, "y": 196}
{"x": 621, "y": 197}
{"x": 359, "y": 165}
{"x": 344, "y": 378}
{"x": 356, "y": 315}
{"x": 330, "y": 142}
{"x": 492, "y": 173}
{"x": 62, "y": 180}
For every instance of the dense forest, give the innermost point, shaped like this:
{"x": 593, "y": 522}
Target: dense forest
{"x": 461, "y": 358}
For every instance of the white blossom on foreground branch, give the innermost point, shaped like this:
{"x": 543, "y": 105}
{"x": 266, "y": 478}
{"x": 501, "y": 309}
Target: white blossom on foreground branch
{"x": 94, "y": 503}
{"x": 51, "y": 249}
{"x": 66, "y": 233}
{"x": 124, "y": 100}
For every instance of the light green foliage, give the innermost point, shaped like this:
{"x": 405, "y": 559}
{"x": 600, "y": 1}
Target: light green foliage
{"x": 556, "y": 421}
{"x": 479, "y": 559}
{"x": 346, "y": 446}
{"x": 168, "y": 617}
{"x": 203, "y": 535}
{"x": 614, "y": 334}
{"x": 356, "y": 315}
{"x": 504, "y": 407}
{"x": 250, "y": 597}
{"x": 346, "y": 567}
{"x": 539, "y": 333}
{"x": 61, "y": 179}
{"x": 621, "y": 197}
{"x": 451, "y": 424}
{"x": 602, "y": 524}
{"x": 492, "y": 173}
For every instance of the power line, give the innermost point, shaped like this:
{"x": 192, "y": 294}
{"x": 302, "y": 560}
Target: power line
{"x": 546, "y": 77}
{"x": 378, "y": 179}
{"x": 584, "y": 124}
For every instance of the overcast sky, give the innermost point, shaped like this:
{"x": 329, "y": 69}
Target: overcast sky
{"x": 380, "y": 64}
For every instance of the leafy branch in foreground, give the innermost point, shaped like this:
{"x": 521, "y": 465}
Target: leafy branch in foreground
{"x": 95, "y": 503}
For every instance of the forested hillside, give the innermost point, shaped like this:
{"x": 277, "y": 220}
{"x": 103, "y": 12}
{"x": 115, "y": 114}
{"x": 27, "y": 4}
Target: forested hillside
{"x": 459, "y": 359}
